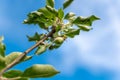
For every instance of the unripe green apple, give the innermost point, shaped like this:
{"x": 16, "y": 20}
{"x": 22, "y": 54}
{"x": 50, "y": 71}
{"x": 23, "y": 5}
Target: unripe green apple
{"x": 40, "y": 50}
{"x": 59, "y": 40}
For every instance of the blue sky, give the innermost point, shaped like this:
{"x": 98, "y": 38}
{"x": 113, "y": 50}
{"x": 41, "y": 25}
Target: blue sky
{"x": 93, "y": 55}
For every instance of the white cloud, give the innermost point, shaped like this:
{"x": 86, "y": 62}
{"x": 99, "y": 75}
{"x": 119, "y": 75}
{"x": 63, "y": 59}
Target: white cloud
{"x": 97, "y": 50}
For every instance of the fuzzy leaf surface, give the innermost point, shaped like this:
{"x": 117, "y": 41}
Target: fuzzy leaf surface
{"x": 2, "y": 62}
{"x": 12, "y": 56}
{"x": 67, "y": 3}
{"x": 2, "y": 47}
{"x": 41, "y": 49}
{"x": 85, "y": 21}
{"x": 13, "y": 73}
{"x": 60, "y": 13}
{"x": 72, "y": 32}
{"x": 40, "y": 71}
{"x": 50, "y": 3}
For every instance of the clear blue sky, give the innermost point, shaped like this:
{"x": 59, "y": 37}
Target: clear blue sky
{"x": 93, "y": 55}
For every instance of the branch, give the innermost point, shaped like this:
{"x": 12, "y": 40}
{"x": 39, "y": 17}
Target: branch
{"x": 27, "y": 51}
{"x": 2, "y": 78}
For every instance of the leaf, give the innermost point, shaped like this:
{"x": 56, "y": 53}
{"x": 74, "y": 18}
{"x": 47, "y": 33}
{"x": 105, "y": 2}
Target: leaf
{"x": 60, "y": 13}
{"x": 46, "y": 13}
{"x": 40, "y": 19}
{"x": 42, "y": 25}
{"x": 50, "y": 3}
{"x": 2, "y": 50}
{"x": 67, "y": 3}
{"x": 85, "y": 21}
{"x": 33, "y": 18}
{"x": 2, "y": 53}
{"x": 13, "y": 73}
{"x": 12, "y": 56}
{"x": 2, "y": 62}
{"x": 58, "y": 28}
{"x": 40, "y": 71}
{"x": 69, "y": 16}
{"x": 52, "y": 10}
{"x": 2, "y": 47}
{"x": 23, "y": 78}
{"x": 36, "y": 37}
{"x": 1, "y": 38}
{"x": 72, "y": 32}
{"x": 41, "y": 49}
{"x": 84, "y": 28}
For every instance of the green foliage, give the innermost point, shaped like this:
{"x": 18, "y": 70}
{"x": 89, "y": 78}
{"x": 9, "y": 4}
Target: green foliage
{"x": 67, "y": 3}
{"x": 2, "y": 62}
{"x": 70, "y": 16}
{"x": 41, "y": 49}
{"x": 2, "y": 53}
{"x": 85, "y": 21}
{"x": 50, "y": 3}
{"x": 36, "y": 37}
{"x": 64, "y": 24}
{"x": 12, "y": 74}
{"x": 72, "y": 32}
{"x": 52, "y": 10}
{"x": 40, "y": 71}
{"x": 23, "y": 78}
{"x": 12, "y": 56}
{"x": 61, "y": 25}
{"x": 60, "y": 13}
{"x": 2, "y": 47}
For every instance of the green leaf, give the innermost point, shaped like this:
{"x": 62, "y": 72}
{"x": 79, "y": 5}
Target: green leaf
{"x": 40, "y": 19}
{"x": 85, "y": 21}
{"x": 40, "y": 71}
{"x": 50, "y": 3}
{"x": 60, "y": 13}
{"x": 41, "y": 49}
{"x": 72, "y": 32}
{"x": 52, "y": 10}
{"x": 69, "y": 16}
{"x": 84, "y": 28}
{"x": 42, "y": 25}
{"x": 33, "y": 18}
{"x": 58, "y": 28}
{"x": 48, "y": 14}
{"x": 1, "y": 38}
{"x": 67, "y": 3}
{"x": 12, "y": 56}
{"x": 23, "y": 78}
{"x": 2, "y": 53}
{"x": 2, "y": 47}
{"x": 36, "y": 37}
{"x": 2, "y": 62}
{"x": 13, "y": 73}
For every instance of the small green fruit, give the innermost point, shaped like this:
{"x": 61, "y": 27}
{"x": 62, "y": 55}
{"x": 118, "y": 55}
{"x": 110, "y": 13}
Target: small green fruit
{"x": 59, "y": 40}
{"x": 41, "y": 49}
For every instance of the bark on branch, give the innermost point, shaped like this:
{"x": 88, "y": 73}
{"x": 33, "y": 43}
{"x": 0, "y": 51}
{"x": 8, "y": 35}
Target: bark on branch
{"x": 27, "y": 51}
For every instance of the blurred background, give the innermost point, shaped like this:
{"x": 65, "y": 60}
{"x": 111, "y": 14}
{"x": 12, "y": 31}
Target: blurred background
{"x": 93, "y": 55}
